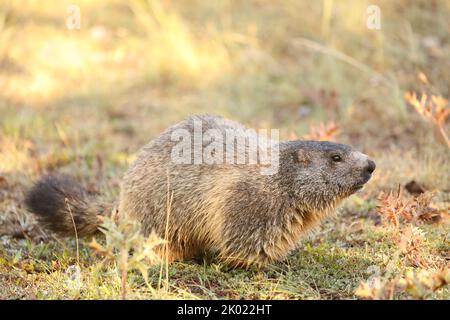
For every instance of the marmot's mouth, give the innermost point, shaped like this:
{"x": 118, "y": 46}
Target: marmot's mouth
{"x": 366, "y": 177}
{"x": 358, "y": 187}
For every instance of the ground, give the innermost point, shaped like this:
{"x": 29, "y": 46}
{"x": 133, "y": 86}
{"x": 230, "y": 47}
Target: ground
{"x": 83, "y": 101}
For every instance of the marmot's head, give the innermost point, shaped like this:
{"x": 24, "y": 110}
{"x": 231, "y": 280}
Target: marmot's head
{"x": 323, "y": 172}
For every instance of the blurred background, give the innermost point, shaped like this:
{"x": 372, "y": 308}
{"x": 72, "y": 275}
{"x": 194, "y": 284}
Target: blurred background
{"x": 85, "y": 84}
{"x": 135, "y": 67}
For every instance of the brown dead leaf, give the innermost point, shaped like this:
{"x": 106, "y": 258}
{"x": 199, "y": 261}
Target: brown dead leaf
{"x": 414, "y": 187}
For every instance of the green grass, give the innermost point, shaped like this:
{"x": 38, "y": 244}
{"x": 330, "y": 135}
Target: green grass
{"x": 327, "y": 266}
{"x": 83, "y": 102}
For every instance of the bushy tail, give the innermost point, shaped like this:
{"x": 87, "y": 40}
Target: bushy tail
{"x": 61, "y": 205}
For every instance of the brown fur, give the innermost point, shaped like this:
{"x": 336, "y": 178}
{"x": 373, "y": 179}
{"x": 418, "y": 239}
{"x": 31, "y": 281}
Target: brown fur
{"x": 234, "y": 210}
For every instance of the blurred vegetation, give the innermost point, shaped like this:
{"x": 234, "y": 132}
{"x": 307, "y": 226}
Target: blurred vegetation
{"x": 84, "y": 101}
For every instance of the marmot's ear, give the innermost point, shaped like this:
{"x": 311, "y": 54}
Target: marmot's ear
{"x": 302, "y": 156}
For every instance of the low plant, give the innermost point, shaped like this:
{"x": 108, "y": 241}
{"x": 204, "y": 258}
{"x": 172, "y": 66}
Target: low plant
{"x": 127, "y": 248}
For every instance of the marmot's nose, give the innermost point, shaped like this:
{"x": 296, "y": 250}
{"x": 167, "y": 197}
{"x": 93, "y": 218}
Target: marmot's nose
{"x": 370, "y": 166}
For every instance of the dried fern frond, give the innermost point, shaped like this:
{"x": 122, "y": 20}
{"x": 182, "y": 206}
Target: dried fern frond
{"x": 323, "y": 132}
{"x": 433, "y": 108}
{"x": 411, "y": 244}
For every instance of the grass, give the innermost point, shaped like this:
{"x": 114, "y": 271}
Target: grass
{"x": 327, "y": 266}
{"x": 83, "y": 102}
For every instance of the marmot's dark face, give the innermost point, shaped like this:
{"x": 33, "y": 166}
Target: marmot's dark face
{"x": 329, "y": 171}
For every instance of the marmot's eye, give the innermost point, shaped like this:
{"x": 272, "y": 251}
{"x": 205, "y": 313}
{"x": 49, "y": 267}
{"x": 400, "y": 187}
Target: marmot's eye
{"x": 336, "y": 158}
